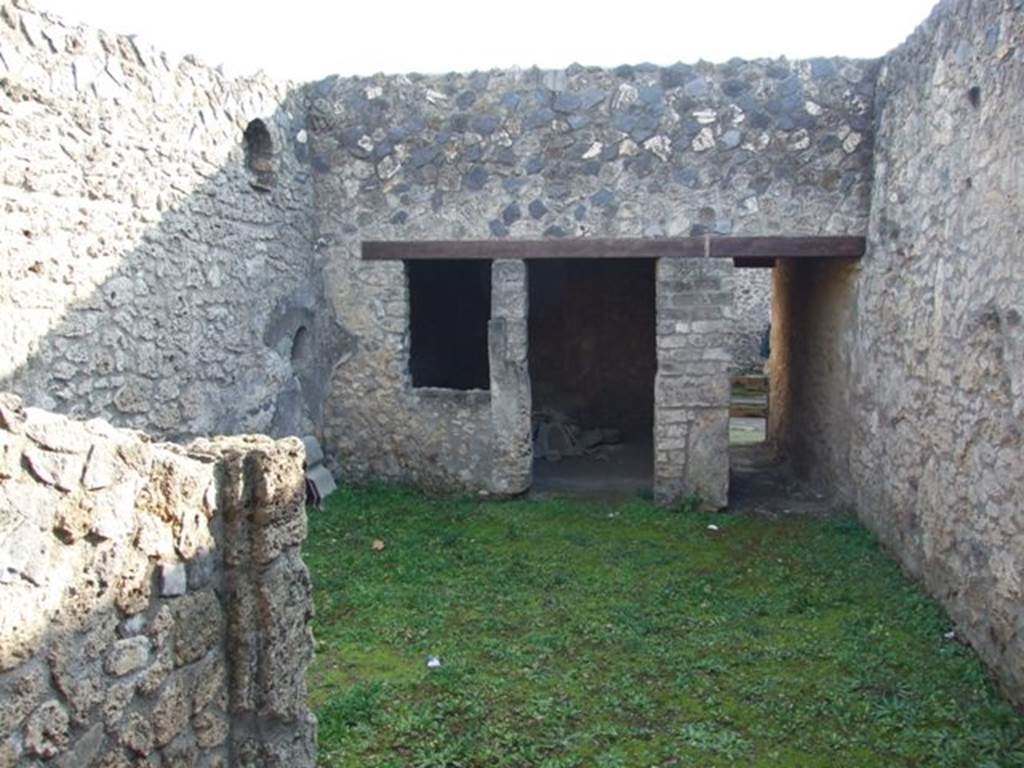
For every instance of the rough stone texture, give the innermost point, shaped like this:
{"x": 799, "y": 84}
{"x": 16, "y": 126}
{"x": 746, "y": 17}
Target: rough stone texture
{"x": 144, "y": 279}
{"x": 98, "y": 659}
{"x": 740, "y": 148}
{"x": 753, "y": 299}
{"x": 692, "y": 386}
{"x": 907, "y": 370}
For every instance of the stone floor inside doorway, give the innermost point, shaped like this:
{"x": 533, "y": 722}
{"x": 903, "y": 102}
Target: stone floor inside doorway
{"x": 558, "y": 632}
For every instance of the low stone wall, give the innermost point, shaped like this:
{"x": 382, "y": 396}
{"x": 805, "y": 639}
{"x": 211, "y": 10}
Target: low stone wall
{"x": 908, "y": 368}
{"x": 156, "y": 609}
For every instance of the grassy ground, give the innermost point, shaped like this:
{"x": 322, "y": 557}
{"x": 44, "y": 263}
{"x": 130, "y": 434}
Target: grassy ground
{"x": 589, "y": 634}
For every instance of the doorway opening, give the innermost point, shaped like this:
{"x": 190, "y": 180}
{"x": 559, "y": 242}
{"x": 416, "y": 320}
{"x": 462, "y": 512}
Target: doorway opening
{"x": 592, "y": 358}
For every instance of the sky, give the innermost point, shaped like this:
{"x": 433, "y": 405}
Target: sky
{"x": 309, "y": 39}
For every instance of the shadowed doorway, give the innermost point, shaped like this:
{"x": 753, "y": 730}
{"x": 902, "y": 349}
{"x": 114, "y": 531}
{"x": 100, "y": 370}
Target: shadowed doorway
{"x": 592, "y": 365}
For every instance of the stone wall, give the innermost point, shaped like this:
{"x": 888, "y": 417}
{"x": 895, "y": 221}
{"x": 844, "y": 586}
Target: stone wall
{"x": 692, "y": 386}
{"x": 149, "y": 276}
{"x": 753, "y": 301}
{"x": 156, "y": 609}
{"x": 752, "y": 148}
{"x": 911, "y": 364}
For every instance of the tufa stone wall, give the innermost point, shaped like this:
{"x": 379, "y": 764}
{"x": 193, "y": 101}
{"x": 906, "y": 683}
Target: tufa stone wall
{"x": 156, "y": 610}
{"x": 692, "y": 387}
{"x": 739, "y": 148}
{"x": 912, "y": 363}
{"x": 149, "y": 275}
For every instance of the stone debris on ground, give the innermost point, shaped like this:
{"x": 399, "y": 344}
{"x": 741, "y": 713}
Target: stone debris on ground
{"x": 557, "y": 437}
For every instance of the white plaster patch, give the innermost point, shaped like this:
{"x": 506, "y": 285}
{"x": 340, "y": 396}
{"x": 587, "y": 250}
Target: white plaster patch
{"x": 704, "y": 140}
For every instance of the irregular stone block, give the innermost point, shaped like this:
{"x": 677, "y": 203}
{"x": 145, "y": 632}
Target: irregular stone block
{"x": 46, "y": 732}
{"x": 173, "y": 579}
{"x": 314, "y": 453}
{"x": 323, "y": 480}
{"x": 61, "y": 470}
{"x": 128, "y": 655}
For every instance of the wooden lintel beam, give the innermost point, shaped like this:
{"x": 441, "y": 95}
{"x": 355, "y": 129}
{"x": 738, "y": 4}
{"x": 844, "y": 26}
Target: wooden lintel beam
{"x": 838, "y": 247}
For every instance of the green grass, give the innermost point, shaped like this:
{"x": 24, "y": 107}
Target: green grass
{"x": 578, "y": 633}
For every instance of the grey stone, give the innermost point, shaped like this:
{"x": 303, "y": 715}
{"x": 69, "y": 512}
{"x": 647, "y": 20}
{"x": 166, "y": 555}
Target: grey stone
{"x": 314, "y": 453}
{"x": 128, "y": 655}
{"x": 697, "y": 88}
{"x": 476, "y": 179}
{"x": 323, "y": 480}
{"x": 61, "y": 470}
{"x": 173, "y": 580}
{"x": 537, "y": 209}
{"x": 511, "y": 214}
{"x": 567, "y": 102}
{"x": 731, "y": 138}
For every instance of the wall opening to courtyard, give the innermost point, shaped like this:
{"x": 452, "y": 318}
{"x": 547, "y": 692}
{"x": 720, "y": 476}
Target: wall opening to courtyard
{"x": 592, "y": 360}
{"x": 449, "y": 306}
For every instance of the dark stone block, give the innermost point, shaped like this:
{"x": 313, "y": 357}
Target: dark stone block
{"x": 735, "y": 87}
{"x": 578, "y": 121}
{"x": 506, "y": 156}
{"x": 698, "y": 88}
{"x": 580, "y": 213}
{"x": 538, "y": 209}
{"x": 511, "y": 214}
{"x": 510, "y": 101}
{"x": 625, "y": 71}
{"x": 687, "y": 177}
{"x": 512, "y": 185}
{"x": 400, "y": 217}
{"x": 476, "y": 179}
{"x": 485, "y": 124}
{"x": 498, "y": 229}
{"x": 424, "y": 155}
{"x": 675, "y": 76}
{"x": 652, "y": 96}
{"x": 591, "y": 97}
{"x": 822, "y": 68}
{"x": 540, "y": 118}
{"x": 534, "y": 165}
{"x": 465, "y": 100}
{"x": 603, "y": 198}
{"x": 567, "y": 102}
{"x": 554, "y": 231}
{"x": 592, "y": 167}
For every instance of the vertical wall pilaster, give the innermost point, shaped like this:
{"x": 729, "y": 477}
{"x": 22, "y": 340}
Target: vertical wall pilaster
{"x": 510, "y": 378}
{"x": 269, "y": 604}
{"x": 691, "y": 391}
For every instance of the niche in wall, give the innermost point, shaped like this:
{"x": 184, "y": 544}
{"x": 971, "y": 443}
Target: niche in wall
{"x": 450, "y": 306}
{"x": 259, "y": 155}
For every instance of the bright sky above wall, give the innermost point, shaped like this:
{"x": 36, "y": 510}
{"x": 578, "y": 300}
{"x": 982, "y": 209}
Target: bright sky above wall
{"x": 309, "y": 39}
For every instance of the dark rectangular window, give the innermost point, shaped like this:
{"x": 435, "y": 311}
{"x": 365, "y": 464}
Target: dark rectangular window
{"x": 450, "y": 305}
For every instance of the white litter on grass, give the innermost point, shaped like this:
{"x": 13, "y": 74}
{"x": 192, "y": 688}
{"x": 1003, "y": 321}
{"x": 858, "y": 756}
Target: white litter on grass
{"x": 433, "y": 662}
{"x": 712, "y": 527}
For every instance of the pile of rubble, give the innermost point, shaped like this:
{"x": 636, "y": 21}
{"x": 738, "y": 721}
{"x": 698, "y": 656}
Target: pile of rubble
{"x": 557, "y": 437}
